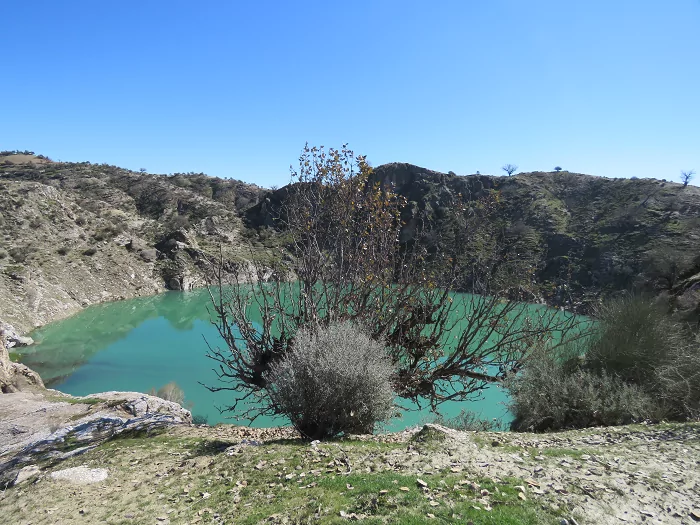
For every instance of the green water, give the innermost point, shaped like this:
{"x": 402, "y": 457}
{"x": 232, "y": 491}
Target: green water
{"x": 143, "y": 343}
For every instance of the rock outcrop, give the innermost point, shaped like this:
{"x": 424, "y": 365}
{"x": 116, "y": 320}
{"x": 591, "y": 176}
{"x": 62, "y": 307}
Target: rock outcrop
{"x": 77, "y": 234}
{"x": 44, "y": 428}
{"x": 15, "y": 377}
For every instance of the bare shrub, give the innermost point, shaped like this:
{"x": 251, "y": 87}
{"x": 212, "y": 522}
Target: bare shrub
{"x": 640, "y": 364}
{"x": 200, "y": 419}
{"x": 334, "y": 380}
{"x": 679, "y": 381}
{"x": 355, "y": 250}
{"x": 551, "y": 393}
{"x": 635, "y": 340}
{"x": 170, "y": 392}
{"x": 468, "y": 421}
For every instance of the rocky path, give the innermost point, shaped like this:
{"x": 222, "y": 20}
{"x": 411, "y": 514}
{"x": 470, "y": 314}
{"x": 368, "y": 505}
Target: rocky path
{"x": 635, "y": 474}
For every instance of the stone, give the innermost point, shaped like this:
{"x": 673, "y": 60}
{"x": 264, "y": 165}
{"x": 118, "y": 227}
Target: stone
{"x": 81, "y": 475}
{"x": 12, "y": 338}
{"x": 149, "y": 255}
{"x": 26, "y": 473}
{"x": 15, "y": 377}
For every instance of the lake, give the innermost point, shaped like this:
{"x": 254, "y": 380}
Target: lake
{"x": 144, "y": 343}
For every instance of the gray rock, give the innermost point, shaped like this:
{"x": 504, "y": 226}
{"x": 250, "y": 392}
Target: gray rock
{"x": 26, "y": 473}
{"x": 12, "y": 338}
{"x": 150, "y": 255}
{"x": 78, "y": 429}
{"x": 15, "y": 377}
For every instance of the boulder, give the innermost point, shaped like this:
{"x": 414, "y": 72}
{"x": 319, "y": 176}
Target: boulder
{"x": 81, "y": 475}
{"x": 137, "y": 405}
{"x": 48, "y": 427}
{"x": 15, "y": 377}
{"x": 149, "y": 255}
{"x": 12, "y": 338}
{"x": 27, "y": 473}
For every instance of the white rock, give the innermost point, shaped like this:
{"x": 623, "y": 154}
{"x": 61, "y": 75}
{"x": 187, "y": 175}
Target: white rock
{"x": 25, "y": 473}
{"x": 81, "y": 475}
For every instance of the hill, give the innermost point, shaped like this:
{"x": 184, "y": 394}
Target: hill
{"x": 75, "y": 234}
{"x": 600, "y": 236}
{"x": 608, "y": 234}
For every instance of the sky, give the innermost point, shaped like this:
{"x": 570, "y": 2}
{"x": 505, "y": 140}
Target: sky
{"x": 235, "y": 89}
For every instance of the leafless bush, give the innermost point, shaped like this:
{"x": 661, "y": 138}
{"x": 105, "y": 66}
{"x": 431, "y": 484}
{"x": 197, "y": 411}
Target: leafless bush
{"x": 552, "y": 394}
{"x": 639, "y": 364}
{"x": 468, "y": 421}
{"x": 170, "y": 392}
{"x": 635, "y": 340}
{"x": 334, "y": 380}
{"x": 679, "y": 381}
{"x": 350, "y": 256}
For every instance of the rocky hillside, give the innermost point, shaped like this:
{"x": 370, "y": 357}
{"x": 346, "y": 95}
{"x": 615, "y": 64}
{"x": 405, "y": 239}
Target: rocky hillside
{"x": 599, "y": 235}
{"x": 74, "y": 234}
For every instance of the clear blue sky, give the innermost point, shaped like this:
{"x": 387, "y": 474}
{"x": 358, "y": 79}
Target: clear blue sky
{"x": 235, "y": 89}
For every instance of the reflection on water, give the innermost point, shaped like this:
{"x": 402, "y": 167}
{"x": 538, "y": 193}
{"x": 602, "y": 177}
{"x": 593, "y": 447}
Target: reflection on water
{"x": 143, "y": 343}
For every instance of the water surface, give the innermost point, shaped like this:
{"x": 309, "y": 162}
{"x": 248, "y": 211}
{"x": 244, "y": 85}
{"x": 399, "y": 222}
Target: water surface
{"x": 144, "y": 343}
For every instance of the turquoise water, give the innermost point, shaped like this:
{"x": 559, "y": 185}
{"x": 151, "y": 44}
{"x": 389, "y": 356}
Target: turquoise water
{"x": 144, "y": 343}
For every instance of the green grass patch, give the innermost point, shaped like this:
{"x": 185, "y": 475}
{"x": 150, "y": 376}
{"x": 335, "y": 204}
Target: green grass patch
{"x": 75, "y": 400}
{"x": 291, "y": 482}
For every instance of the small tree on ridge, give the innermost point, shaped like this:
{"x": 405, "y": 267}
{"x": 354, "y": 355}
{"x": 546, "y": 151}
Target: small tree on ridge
{"x": 509, "y": 169}
{"x": 687, "y": 176}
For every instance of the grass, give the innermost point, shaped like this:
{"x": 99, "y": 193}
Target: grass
{"x": 205, "y": 481}
{"x": 554, "y": 452}
{"x": 75, "y": 400}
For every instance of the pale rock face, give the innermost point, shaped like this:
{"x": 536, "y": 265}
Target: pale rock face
{"x": 12, "y": 338}
{"x": 27, "y": 473}
{"x": 36, "y": 425}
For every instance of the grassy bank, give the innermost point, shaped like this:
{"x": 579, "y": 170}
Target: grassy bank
{"x": 211, "y": 475}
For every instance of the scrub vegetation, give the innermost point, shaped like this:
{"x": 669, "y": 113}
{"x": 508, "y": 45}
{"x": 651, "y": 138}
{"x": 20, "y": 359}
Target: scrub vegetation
{"x": 354, "y": 259}
{"x": 639, "y": 364}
